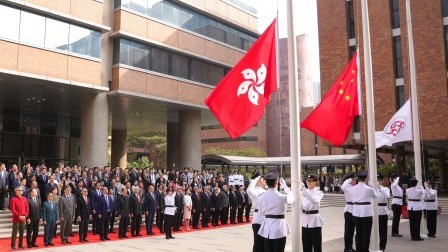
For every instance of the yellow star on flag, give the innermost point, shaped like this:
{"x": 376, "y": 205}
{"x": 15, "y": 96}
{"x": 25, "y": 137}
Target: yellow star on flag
{"x": 347, "y": 97}
{"x": 341, "y": 82}
{"x": 341, "y": 91}
{"x": 352, "y": 80}
{"x": 353, "y": 71}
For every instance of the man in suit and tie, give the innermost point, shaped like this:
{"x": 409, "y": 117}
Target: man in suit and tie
{"x": 206, "y": 206}
{"x": 216, "y": 206}
{"x": 136, "y": 213}
{"x": 160, "y": 196}
{"x": 197, "y": 207}
{"x": 22, "y": 184}
{"x": 105, "y": 210}
{"x": 49, "y": 217}
{"x": 179, "y": 204}
{"x": 84, "y": 214}
{"x": 34, "y": 186}
{"x": 96, "y": 197}
{"x": 66, "y": 208}
{"x": 32, "y": 220}
{"x": 224, "y": 200}
{"x": 248, "y": 205}
{"x": 123, "y": 202}
{"x": 233, "y": 199}
{"x": 113, "y": 197}
{"x": 241, "y": 204}
{"x": 4, "y": 184}
{"x": 150, "y": 207}
{"x": 48, "y": 187}
{"x": 42, "y": 180}
{"x": 12, "y": 180}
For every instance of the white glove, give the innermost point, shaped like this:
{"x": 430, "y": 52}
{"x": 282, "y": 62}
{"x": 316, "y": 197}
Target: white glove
{"x": 419, "y": 183}
{"x": 302, "y": 186}
{"x": 282, "y": 183}
{"x": 426, "y": 185}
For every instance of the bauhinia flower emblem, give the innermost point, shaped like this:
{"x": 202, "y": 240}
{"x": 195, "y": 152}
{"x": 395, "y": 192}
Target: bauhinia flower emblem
{"x": 254, "y": 84}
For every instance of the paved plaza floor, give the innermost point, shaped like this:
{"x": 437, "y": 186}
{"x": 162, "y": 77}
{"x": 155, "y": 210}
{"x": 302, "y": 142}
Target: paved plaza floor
{"x": 239, "y": 238}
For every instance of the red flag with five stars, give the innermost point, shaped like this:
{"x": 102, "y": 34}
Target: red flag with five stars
{"x": 333, "y": 118}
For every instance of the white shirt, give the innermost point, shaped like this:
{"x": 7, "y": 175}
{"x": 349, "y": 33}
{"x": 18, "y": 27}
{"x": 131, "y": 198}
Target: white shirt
{"x": 362, "y": 193}
{"x": 169, "y": 201}
{"x": 415, "y": 193}
{"x": 272, "y": 202}
{"x": 254, "y": 192}
{"x": 383, "y": 196}
{"x": 397, "y": 191}
{"x": 239, "y": 180}
{"x": 311, "y": 201}
{"x": 187, "y": 200}
{"x": 231, "y": 180}
{"x": 431, "y": 194}
{"x": 347, "y": 187}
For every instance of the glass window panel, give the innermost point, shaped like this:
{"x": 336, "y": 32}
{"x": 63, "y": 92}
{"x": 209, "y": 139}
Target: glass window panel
{"x": 179, "y": 66}
{"x": 184, "y": 19}
{"x": 95, "y": 44}
{"x": 215, "y": 74}
{"x": 138, "y": 55}
{"x": 32, "y": 28}
{"x": 400, "y": 96}
{"x": 79, "y": 40}
{"x": 155, "y": 9}
{"x": 169, "y": 13}
{"x": 126, "y": 3}
{"x": 11, "y": 17}
{"x": 56, "y": 36}
{"x": 160, "y": 61}
{"x": 139, "y": 6}
{"x": 116, "y": 51}
{"x": 199, "y": 71}
{"x": 445, "y": 7}
{"x": 124, "y": 51}
{"x": 233, "y": 38}
{"x": 398, "y": 57}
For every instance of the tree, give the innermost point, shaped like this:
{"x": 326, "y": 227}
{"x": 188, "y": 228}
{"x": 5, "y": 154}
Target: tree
{"x": 250, "y": 152}
{"x": 153, "y": 143}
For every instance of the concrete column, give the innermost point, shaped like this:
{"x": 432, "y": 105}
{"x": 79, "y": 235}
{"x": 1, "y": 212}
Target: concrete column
{"x": 442, "y": 170}
{"x": 400, "y": 159}
{"x": 94, "y": 130}
{"x": 190, "y": 139}
{"x": 107, "y": 44}
{"x": 172, "y": 141}
{"x": 119, "y": 153}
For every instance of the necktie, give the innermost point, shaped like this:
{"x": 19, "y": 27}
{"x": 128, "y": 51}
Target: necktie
{"x": 107, "y": 202}
{"x": 138, "y": 198}
{"x": 85, "y": 199}
{"x": 34, "y": 199}
{"x": 68, "y": 201}
{"x": 51, "y": 204}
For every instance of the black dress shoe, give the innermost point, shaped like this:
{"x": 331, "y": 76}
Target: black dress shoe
{"x": 151, "y": 233}
{"x": 172, "y": 237}
{"x": 418, "y": 239}
{"x": 85, "y": 240}
{"x": 134, "y": 235}
{"x": 432, "y": 236}
{"x": 35, "y": 246}
{"x": 139, "y": 235}
{"x": 28, "y": 246}
{"x": 51, "y": 244}
{"x": 46, "y": 245}
{"x": 397, "y": 235}
{"x": 69, "y": 242}
{"x": 14, "y": 247}
{"x": 125, "y": 236}
{"x": 107, "y": 238}
{"x": 81, "y": 241}
{"x": 167, "y": 238}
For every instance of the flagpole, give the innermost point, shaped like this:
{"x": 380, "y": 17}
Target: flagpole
{"x": 374, "y": 244}
{"x": 294, "y": 122}
{"x": 414, "y": 106}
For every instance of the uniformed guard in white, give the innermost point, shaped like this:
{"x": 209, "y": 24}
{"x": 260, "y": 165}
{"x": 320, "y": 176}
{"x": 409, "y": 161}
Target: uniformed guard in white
{"x": 349, "y": 226}
{"x": 254, "y": 190}
{"x": 274, "y": 228}
{"x": 397, "y": 203}
{"x": 232, "y": 179}
{"x": 169, "y": 212}
{"x": 311, "y": 220}
{"x": 415, "y": 207}
{"x": 383, "y": 209}
{"x": 431, "y": 209}
{"x": 363, "y": 211}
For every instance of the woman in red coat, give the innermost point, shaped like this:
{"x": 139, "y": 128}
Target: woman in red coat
{"x": 19, "y": 209}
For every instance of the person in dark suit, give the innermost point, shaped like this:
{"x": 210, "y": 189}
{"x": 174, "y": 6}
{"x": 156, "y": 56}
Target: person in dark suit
{"x": 96, "y": 198}
{"x": 123, "y": 202}
{"x": 248, "y": 205}
{"x": 150, "y": 209}
{"x": 241, "y": 204}
{"x": 216, "y": 207}
{"x": 113, "y": 197}
{"x": 160, "y": 195}
{"x": 224, "y": 203}
{"x": 106, "y": 206}
{"x": 136, "y": 213}
{"x": 206, "y": 206}
{"x": 66, "y": 208}
{"x": 32, "y": 220}
{"x": 49, "y": 217}
{"x": 197, "y": 207}
{"x": 84, "y": 214}
{"x": 233, "y": 204}
{"x": 42, "y": 180}
{"x": 4, "y": 184}
{"x": 179, "y": 204}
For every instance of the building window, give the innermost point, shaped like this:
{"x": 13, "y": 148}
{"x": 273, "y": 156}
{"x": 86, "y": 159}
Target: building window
{"x": 163, "y": 61}
{"x": 350, "y": 20}
{"x": 191, "y": 20}
{"x": 445, "y": 8}
{"x": 39, "y": 30}
{"x": 398, "y": 57}
{"x": 399, "y": 96}
{"x": 395, "y": 11}
{"x": 351, "y": 51}
{"x": 228, "y": 139}
{"x": 445, "y": 28}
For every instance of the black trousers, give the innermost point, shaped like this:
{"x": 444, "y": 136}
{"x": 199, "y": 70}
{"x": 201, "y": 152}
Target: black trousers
{"x": 178, "y": 219}
{"x": 382, "y": 225}
{"x": 196, "y": 218}
{"x": 240, "y": 214}
{"x": 123, "y": 226}
{"x": 95, "y": 224}
{"x": 258, "y": 240}
{"x": 224, "y": 215}
{"x": 274, "y": 245}
{"x": 159, "y": 220}
{"x": 396, "y": 210}
{"x": 248, "y": 207}
{"x": 2, "y": 197}
{"x": 232, "y": 215}
{"x": 431, "y": 221}
{"x": 349, "y": 230}
{"x": 215, "y": 217}
{"x": 312, "y": 239}
{"x": 111, "y": 222}
{"x": 168, "y": 225}
{"x": 135, "y": 224}
{"x": 415, "y": 218}
{"x": 83, "y": 228}
{"x": 149, "y": 221}
{"x": 32, "y": 230}
{"x": 205, "y": 217}
{"x": 103, "y": 228}
{"x": 363, "y": 231}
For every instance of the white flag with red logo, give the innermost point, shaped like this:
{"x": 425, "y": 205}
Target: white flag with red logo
{"x": 398, "y": 129}
{"x": 239, "y": 99}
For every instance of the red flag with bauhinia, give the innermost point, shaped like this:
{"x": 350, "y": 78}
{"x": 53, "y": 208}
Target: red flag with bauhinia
{"x": 333, "y": 118}
{"x": 239, "y": 99}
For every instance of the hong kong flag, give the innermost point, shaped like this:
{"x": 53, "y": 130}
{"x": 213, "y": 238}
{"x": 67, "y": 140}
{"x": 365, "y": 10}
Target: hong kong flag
{"x": 239, "y": 99}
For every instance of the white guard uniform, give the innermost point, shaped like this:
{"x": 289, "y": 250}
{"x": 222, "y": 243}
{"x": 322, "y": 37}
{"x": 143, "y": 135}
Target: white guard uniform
{"x": 311, "y": 202}
{"x": 430, "y": 199}
{"x": 347, "y": 187}
{"x": 231, "y": 180}
{"x": 272, "y": 202}
{"x": 254, "y": 192}
{"x": 170, "y": 209}
{"x": 415, "y": 193}
{"x": 363, "y": 193}
{"x": 397, "y": 193}
{"x": 383, "y": 196}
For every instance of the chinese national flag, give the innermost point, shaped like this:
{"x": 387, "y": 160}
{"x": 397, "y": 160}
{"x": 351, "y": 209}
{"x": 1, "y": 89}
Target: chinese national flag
{"x": 332, "y": 119}
{"x": 239, "y": 99}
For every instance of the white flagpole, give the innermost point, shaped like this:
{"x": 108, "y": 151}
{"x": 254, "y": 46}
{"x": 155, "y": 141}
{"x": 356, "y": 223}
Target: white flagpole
{"x": 294, "y": 122}
{"x": 374, "y": 241}
{"x": 414, "y": 106}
